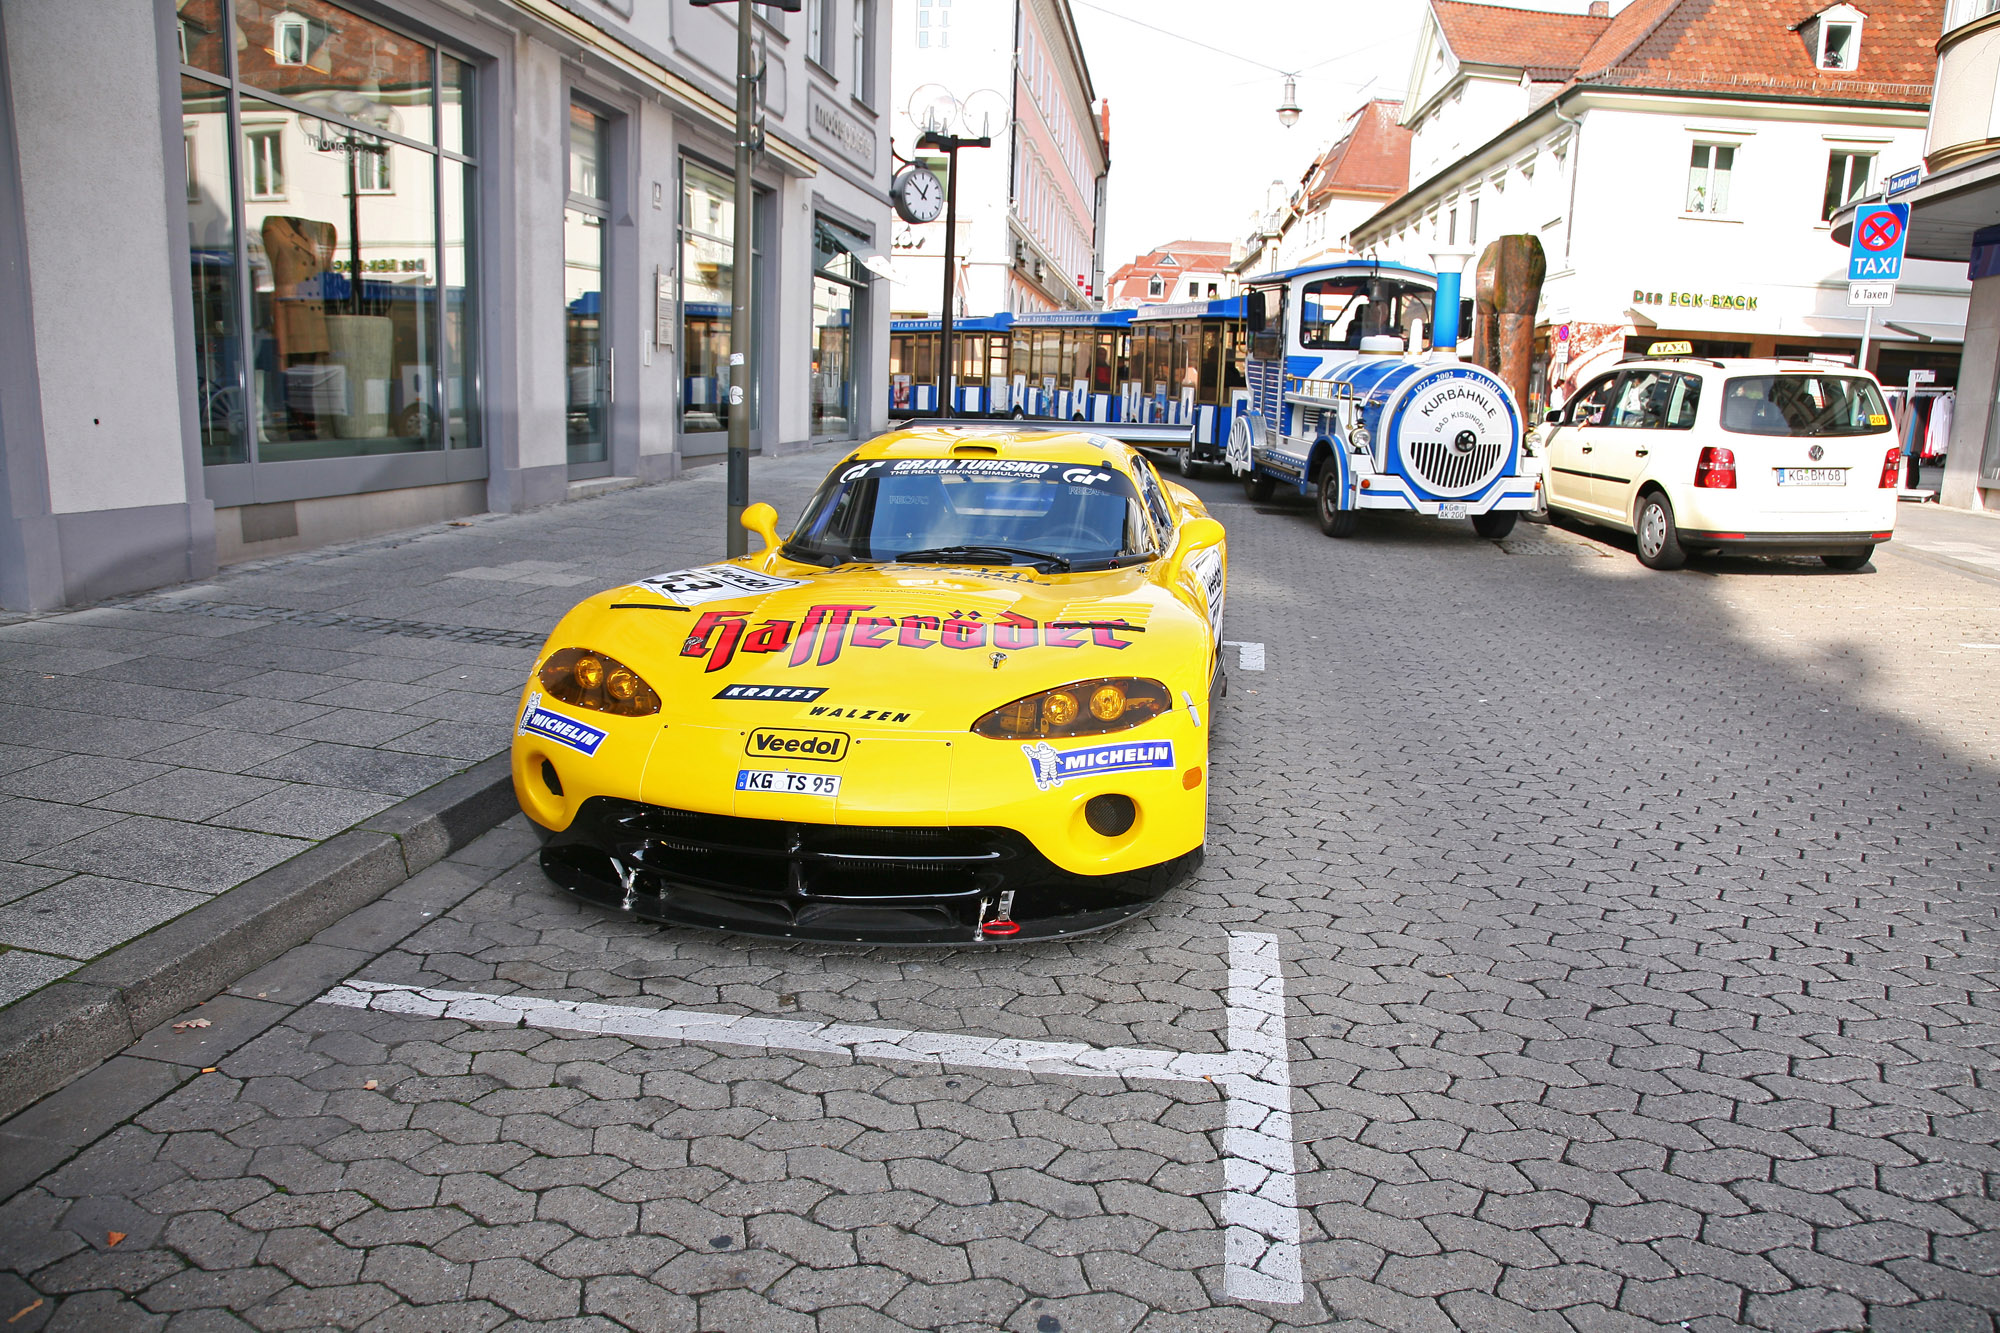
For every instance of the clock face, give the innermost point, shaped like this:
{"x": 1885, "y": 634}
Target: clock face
{"x": 918, "y": 196}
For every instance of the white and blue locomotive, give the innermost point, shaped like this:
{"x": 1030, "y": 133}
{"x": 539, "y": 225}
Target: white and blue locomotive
{"x": 1340, "y": 411}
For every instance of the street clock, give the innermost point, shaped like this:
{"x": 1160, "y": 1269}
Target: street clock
{"x": 917, "y": 195}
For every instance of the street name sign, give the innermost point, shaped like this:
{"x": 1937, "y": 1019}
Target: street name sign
{"x": 1875, "y": 255}
{"x": 1903, "y": 182}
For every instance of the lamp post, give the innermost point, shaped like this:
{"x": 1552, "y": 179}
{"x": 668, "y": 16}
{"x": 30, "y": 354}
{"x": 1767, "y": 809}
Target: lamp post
{"x": 936, "y": 137}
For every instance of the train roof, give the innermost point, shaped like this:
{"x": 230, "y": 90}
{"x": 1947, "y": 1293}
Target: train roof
{"x": 1230, "y": 307}
{"x": 1097, "y": 319}
{"x": 1340, "y": 266}
{"x": 964, "y": 324}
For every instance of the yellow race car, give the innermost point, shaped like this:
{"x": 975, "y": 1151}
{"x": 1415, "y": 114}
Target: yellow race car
{"x": 968, "y": 699}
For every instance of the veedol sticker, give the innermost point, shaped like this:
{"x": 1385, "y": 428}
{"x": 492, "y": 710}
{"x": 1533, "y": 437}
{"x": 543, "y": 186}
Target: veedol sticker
{"x": 715, "y": 583}
{"x": 539, "y": 721}
{"x": 1053, "y": 767}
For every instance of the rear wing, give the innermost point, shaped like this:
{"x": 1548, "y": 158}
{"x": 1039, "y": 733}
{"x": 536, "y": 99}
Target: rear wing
{"x": 1126, "y": 432}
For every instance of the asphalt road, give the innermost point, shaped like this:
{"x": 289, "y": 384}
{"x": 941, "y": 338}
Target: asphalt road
{"x": 1633, "y": 936}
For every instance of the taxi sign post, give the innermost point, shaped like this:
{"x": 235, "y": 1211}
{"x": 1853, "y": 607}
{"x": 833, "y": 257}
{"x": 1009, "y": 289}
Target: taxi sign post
{"x": 1875, "y": 261}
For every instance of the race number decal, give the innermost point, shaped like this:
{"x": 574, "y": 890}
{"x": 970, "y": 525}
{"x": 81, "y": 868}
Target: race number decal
{"x": 1207, "y": 568}
{"x": 714, "y": 583}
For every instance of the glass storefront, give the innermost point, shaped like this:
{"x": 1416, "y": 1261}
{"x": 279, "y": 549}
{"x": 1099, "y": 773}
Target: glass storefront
{"x": 585, "y": 320}
{"x": 708, "y": 271}
{"x": 840, "y": 300}
{"x": 330, "y": 218}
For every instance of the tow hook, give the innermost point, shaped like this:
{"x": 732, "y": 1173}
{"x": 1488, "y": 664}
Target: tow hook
{"x": 1001, "y": 924}
{"x": 628, "y": 876}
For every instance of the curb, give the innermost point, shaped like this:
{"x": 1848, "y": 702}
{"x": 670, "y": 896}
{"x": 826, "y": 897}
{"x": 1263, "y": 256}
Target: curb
{"x": 71, "y": 1026}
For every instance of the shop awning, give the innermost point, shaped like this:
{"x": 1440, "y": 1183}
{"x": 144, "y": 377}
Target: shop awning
{"x": 1901, "y": 330}
{"x": 1945, "y": 210}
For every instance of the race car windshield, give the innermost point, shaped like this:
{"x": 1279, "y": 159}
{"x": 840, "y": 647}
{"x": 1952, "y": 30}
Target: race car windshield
{"x": 973, "y": 511}
{"x": 1803, "y": 405}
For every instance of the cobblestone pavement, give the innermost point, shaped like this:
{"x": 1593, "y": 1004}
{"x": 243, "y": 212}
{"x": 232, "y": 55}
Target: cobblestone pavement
{"x": 1638, "y": 938}
{"x": 162, "y": 749}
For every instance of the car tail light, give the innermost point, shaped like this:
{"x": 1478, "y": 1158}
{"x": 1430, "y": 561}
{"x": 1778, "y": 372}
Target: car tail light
{"x": 1892, "y": 469}
{"x": 1716, "y": 468}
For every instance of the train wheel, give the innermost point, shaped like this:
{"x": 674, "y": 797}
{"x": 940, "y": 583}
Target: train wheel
{"x": 1257, "y": 486}
{"x": 1185, "y": 464}
{"x": 1333, "y": 520}
{"x": 1494, "y": 526}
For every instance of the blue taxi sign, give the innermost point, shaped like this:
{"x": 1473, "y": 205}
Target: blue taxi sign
{"x": 1876, "y": 252}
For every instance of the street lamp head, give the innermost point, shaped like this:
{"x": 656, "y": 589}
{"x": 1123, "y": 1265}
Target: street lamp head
{"x": 1288, "y": 106}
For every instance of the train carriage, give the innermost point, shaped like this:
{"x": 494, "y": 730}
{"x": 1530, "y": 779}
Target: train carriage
{"x": 1188, "y": 370}
{"x": 1071, "y": 365}
{"x": 981, "y": 345}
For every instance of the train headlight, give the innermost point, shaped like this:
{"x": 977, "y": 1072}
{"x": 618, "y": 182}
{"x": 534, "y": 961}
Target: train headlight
{"x": 1360, "y": 438}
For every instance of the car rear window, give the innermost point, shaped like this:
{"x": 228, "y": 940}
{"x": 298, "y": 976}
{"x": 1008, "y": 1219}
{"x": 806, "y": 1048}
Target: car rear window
{"x": 1803, "y": 404}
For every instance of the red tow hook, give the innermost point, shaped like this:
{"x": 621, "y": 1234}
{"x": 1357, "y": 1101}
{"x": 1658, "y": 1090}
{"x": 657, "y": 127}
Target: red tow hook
{"x": 1001, "y": 924}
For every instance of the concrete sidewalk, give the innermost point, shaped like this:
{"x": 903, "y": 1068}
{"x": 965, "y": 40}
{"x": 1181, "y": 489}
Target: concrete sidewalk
{"x": 162, "y": 750}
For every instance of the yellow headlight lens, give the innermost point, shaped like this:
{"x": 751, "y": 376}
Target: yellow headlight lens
{"x": 1059, "y": 709}
{"x": 597, "y": 681}
{"x": 1113, "y": 705}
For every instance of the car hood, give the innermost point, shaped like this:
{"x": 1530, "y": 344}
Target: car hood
{"x": 908, "y": 647}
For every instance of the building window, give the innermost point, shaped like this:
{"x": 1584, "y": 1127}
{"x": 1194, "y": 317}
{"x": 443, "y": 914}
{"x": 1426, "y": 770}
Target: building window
{"x": 1847, "y": 177}
{"x": 1156, "y": 286}
{"x": 1839, "y": 43}
{"x": 933, "y": 23}
{"x": 1472, "y": 221}
{"x": 819, "y": 33}
{"x": 864, "y": 52}
{"x": 265, "y": 147}
{"x": 840, "y": 306}
{"x": 587, "y": 354}
{"x": 1709, "y": 169}
{"x": 1194, "y": 290}
{"x": 1451, "y": 232}
{"x": 331, "y": 247}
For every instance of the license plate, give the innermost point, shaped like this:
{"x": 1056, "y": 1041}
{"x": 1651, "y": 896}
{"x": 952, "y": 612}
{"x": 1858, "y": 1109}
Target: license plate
{"x": 793, "y": 784}
{"x": 1451, "y": 511}
{"x": 1812, "y": 476}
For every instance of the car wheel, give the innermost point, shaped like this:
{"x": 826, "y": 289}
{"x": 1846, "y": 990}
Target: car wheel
{"x": 1848, "y": 562}
{"x": 1659, "y": 540}
{"x": 1333, "y": 520}
{"x": 1494, "y": 526}
{"x": 1258, "y": 486}
{"x": 1184, "y": 462}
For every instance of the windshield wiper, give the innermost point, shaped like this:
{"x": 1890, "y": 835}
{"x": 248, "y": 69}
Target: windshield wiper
{"x": 984, "y": 555}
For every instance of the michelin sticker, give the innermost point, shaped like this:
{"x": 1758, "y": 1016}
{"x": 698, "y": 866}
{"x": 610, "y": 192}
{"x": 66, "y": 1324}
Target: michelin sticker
{"x": 715, "y": 583}
{"x": 1053, "y": 767}
{"x": 539, "y": 721}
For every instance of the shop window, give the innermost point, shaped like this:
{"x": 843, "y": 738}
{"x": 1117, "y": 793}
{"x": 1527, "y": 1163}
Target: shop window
{"x": 1710, "y": 167}
{"x": 840, "y": 303}
{"x": 588, "y": 366}
{"x": 708, "y": 286}
{"x": 1847, "y": 178}
{"x": 352, "y": 328}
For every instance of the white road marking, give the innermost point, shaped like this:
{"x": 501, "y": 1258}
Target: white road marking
{"x": 1260, "y": 1200}
{"x": 1249, "y": 656}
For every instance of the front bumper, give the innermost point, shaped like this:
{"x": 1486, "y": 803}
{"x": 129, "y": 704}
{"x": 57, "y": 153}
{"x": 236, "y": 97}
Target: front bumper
{"x": 847, "y": 883}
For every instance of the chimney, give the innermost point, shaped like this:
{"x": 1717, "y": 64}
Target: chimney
{"x": 1600, "y": 9}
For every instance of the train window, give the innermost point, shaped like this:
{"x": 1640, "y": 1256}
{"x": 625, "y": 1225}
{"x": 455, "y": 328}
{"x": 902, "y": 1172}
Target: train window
{"x": 1209, "y": 390}
{"x": 970, "y": 352}
{"x": 1103, "y": 363}
{"x": 1267, "y": 327}
{"x": 1334, "y": 313}
{"x": 999, "y": 350}
{"x": 1239, "y": 347}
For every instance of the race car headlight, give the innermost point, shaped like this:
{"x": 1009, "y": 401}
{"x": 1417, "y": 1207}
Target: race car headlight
{"x": 597, "y": 681}
{"x": 1085, "y": 708}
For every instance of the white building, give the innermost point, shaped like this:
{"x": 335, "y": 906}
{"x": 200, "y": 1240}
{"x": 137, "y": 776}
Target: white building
{"x": 1030, "y": 207}
{"x": 537, "y": 198}
{"x": 1367, "y": 166}
{"x": 1681, "y": 164}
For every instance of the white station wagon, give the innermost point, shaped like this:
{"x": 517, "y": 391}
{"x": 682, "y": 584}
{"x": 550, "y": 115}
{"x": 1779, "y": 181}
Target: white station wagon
{"x": 1750, "y": 456}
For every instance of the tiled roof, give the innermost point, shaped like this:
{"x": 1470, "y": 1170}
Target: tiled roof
{"x": 1374, "y": 158}
{"x": 1753, "y": 46}
{"x": 1529, "y": 39}
{"x": 1740, "y": 46}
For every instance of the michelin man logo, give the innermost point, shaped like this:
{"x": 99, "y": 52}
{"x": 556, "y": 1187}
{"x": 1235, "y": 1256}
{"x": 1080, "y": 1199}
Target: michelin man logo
{"x": 1046, "y": 762}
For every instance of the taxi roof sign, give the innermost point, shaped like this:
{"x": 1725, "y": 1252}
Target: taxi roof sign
{"x": 1671, "y": 349}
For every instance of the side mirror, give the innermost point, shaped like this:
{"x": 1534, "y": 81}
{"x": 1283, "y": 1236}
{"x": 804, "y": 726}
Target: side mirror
{"x": 763, "y": 520}
{"x": 1553, "y": 416}
{"x": 1197, "y": 534}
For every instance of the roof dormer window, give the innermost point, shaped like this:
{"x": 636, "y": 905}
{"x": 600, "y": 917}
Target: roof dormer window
{"x": 1833, "y": 36}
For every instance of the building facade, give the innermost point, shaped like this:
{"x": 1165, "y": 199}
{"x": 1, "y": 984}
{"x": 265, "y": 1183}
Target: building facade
{"x": 378, "y": 264}
{"x": 1176, "y": 271}
{"x": 1955, "y": 221}
{"x": 1682, "y": 164}
{"x": 1031, "y": 206}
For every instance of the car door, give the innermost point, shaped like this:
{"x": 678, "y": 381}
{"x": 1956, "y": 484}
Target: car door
{"x": 1573, "y": 444}
{"x": 1648, "y": 404}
